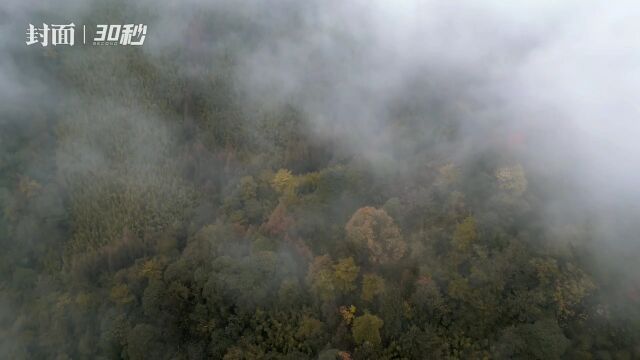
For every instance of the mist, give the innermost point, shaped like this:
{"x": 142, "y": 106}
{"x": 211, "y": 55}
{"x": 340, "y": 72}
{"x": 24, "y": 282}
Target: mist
{"x": 243, "y": 136}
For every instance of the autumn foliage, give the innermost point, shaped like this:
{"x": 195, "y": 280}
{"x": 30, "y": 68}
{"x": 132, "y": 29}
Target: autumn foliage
{"x": 373, "y": 231}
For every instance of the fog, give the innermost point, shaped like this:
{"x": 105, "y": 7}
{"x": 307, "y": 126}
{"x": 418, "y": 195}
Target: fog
{"x": 552, "y": 85}
{"x": 564, "y": 74}
{"x": 559, "y": 77}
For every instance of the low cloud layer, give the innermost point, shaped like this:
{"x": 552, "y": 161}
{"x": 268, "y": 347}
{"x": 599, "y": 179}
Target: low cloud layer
{"x": 544, "y": 89}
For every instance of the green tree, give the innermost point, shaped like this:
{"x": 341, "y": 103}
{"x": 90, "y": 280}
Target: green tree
{"x": 372, "y": 285}
{"x": 465, "y": 234}
{"x": 345, "y": 274}
{"x": 321, "y": 278}
{"x": 366, "y": 328}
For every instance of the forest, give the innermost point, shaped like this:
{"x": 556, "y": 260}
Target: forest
{"x": 201, "y": 198}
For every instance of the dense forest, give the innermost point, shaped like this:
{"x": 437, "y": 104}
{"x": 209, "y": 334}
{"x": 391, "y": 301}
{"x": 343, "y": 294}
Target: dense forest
{"x": 154, "y": 208}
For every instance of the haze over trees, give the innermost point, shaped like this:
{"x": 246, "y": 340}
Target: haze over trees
{"x": 155, "y": 208}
